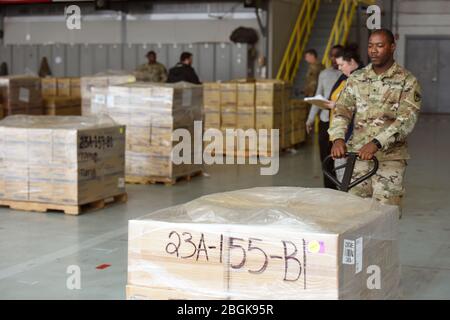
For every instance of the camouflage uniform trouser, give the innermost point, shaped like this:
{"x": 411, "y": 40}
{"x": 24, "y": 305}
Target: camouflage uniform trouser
{"x": 385, "y": 186}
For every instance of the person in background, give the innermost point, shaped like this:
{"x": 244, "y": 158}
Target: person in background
{"x": 183, "y": 70}
{"x": 152, "y": 71}
{"x": 44, "y": 68}
{"x": 348, "y": 62}
{"x": 327, "y": 79}
{"x": 312, "y": 75}
{"x": 3, "y": 69}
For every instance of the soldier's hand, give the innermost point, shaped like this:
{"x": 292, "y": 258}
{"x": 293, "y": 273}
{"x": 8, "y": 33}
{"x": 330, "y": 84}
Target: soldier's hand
{"x": 309, "y": 128}
{"x": 368, "y": 151}
{"x": 339, "y": 149}
{"x": 330, "y": 104}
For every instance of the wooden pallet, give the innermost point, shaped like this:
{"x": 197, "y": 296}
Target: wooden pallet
{"x": 161, "y": 180}
{"x": 67, "y": 209}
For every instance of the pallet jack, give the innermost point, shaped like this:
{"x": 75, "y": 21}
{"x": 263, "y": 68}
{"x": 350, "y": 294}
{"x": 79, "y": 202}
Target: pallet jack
{"x": 346, "y": 183}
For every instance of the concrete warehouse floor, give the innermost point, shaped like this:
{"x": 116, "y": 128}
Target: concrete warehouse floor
{"x": 36, "y": 249}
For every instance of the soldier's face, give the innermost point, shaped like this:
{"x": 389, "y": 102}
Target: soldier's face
{"x": 346, "y": 67}
{"x": 310, "y": 58}
{"x": 333, "y": 54}
{"x": 151, "y": 58}
{"x": 380, "y": 50}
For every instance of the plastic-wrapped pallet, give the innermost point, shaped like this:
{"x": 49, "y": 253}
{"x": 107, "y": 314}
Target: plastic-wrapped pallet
{"x": 151, "y": 112}
{"x": 299, "y": 113}
{"x": 21, "y": 95}
{"x": 62, "y": 106}
{"x": 266, "y": 243}
{"x": 100, "y": 80}
{"x": 211, "y": 102}
{"x": 61, "y": 160}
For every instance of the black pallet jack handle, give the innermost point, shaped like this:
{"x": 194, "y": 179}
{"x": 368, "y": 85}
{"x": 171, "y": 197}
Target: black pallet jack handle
{"x": 346, "y": 183}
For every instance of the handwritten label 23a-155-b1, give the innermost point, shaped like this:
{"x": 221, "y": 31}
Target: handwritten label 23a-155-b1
{"x": 251, "y": 254}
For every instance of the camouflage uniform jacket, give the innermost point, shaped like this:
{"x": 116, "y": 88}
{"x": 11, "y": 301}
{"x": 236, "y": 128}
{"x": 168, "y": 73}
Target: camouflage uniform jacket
{"x": 155, "y": 72}
{"x": 312, "y": 77}
{"x": 385, "y": 107}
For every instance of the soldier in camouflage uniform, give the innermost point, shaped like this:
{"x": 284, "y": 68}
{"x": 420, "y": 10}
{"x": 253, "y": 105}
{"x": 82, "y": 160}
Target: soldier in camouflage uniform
{"x": 312, "y": 75}
{"x": 152, "y": 71}
{"x": 384, "y": 100}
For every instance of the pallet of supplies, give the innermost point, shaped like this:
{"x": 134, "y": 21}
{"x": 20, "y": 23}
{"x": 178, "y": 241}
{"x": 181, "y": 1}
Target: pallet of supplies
{"x": 61, "y": 163}
{"x": 152, "y": 113}
{"x": 62, "y": 106}
{"x": 49, "y": 87}
{"x": 21, "y": 94}
{"x": 295, "y": 243}
{"x": 299, "y": 113}
{"x": 100, "y": 80}
{"x": 211, "y": 105}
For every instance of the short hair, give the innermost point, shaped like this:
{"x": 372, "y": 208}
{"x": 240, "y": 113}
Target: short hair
{"x": 312, "y": 52}
{"x": 388, "y": 33}
{"x": 339, "y": 49}
{"x": 151, "y": 53}
{"x": 185, "y": 55}
{"x": 350, "y": 52}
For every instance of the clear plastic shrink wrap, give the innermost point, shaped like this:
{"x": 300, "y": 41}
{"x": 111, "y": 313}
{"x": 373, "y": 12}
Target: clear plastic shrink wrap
{"x": 151, "y": 113}
{"x": 62, "y": 160}
{"x": 266, "y": 243}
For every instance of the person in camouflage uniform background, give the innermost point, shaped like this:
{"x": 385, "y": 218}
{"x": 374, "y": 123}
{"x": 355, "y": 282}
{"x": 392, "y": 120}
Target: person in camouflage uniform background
{"x": 312, "y": 75}
{"x": 384, "y": 101}
{"x": 152, "y": 71}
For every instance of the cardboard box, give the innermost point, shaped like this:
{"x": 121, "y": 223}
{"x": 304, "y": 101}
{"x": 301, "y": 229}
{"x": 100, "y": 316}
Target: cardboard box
{"x": 100, "y": 80}
{"x": 212, "y": 119}
{"x": 98, "y": 100}
{"x": 299, "y": 113}
{"x": 49, "y": 87}
{"x": 269, "y": 94}
{"x": 64, "y": 87}
{"x": 246, "y": 117}
{"x": 75, "y": 87}
{"x": 62, "y": 106}
{"x": 211, "y": 95}
{"x": 61, "y": 160}
{"x": 319, "y": 245}
{"x": 21, "y": 95}
{"x": 152, "y": 112}
{"x": 268, "y": 118}
{"x": 246, "y": 95}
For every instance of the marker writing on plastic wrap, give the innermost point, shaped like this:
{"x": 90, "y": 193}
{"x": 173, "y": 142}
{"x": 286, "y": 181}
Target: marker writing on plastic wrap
{"x": 200, "y": 249}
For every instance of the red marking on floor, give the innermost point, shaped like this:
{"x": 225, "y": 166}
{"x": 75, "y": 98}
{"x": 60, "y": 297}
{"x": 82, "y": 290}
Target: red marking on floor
{"x": 103, "y": 266}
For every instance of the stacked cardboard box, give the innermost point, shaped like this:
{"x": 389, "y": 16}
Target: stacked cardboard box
{"x": 61, "y": 160}
{"x": 21, "y": 95}
{"x": 60, "y": 87}
{"x": 151, "y": 113}
{"x": 269, "y": 111}
{"x": 61, "y": 96}
{"x": 62, "y": 106}
{"x": 211, "y": 105}
{"x": 49, "y": 87}
{"x": 249, "y": 104}
{"x": 228, "y": 105}
{"x": 100, "y": 80}
{"x": 286, "y": 129}
{"x": 318, "y": 245}
{"x": 299, "y": 113}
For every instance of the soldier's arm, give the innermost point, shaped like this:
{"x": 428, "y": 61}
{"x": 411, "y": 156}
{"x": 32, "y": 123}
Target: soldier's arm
{"x": 343, "y": 112}
{"x": 140, "y": 68}
{"x": 407, "y": 114}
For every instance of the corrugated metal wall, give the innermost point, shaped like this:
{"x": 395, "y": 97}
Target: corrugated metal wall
{"x": 212, "y": 61}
